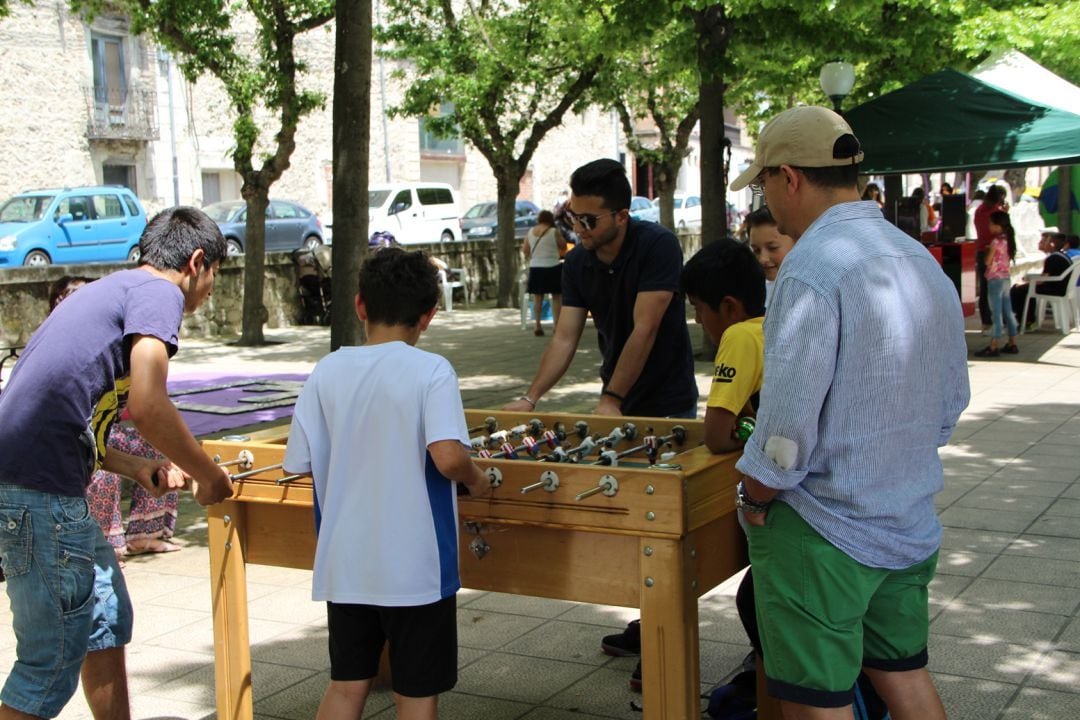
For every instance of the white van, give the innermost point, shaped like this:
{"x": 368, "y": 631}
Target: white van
{"x": 414, "y": 212}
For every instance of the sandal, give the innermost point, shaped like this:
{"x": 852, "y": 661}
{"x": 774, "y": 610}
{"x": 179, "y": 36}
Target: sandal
{"x": 988, "y": 352}
{"x": 1011, "y": 348}
{"x": 150, "y": 547}
{"x": 538, "y": 332}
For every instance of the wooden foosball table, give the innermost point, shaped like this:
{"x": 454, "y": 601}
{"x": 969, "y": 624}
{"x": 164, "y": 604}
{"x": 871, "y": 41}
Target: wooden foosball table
{"x": 654, "y": 527}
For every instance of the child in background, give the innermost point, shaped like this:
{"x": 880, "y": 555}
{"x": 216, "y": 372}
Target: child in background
{"x": 999, "y": 255}
{"x": 769, "y": 245}
{"x": 382, "y": 431}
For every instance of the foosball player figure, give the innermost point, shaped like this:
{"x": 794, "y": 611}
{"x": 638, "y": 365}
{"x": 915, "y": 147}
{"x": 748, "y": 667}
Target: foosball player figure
{"x": 726, "y": 286}
{"x": 382, "y": 431}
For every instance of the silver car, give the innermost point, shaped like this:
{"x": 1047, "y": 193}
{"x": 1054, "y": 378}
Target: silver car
{"x": 288, "y": 225}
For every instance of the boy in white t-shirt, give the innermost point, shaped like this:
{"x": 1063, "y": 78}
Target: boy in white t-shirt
{"x": 382, "y": 431}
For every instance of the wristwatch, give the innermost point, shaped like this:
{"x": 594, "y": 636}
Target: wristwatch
{"x": 747, "y": 504}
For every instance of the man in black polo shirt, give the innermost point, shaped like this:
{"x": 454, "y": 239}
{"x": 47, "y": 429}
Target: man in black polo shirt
{"x": 626, "y": 274}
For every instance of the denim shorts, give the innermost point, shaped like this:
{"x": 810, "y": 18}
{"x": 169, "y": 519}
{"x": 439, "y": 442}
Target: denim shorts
{"x": 67, "y": 595}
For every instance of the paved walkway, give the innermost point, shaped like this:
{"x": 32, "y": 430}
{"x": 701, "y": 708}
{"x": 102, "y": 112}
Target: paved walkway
{"x": 1005, "y": 635}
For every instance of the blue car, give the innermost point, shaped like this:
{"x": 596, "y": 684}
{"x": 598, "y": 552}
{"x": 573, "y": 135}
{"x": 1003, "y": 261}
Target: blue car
{"x": 71, "y": 225}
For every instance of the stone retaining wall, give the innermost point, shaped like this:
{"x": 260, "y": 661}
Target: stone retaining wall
{"x": 24, "y": 292}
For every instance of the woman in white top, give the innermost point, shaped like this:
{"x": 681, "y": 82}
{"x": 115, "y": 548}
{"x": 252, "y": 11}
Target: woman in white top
{"x": 544, "y": 247}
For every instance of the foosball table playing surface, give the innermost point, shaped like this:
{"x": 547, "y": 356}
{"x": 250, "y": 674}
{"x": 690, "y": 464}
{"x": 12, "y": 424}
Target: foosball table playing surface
{"x": 627, "y": 511}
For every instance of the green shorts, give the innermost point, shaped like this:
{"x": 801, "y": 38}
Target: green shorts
{"x": 823, "y": 615}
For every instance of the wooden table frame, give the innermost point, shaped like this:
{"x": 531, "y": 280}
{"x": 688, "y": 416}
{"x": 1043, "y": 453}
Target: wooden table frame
{"x": 665, "y": 538}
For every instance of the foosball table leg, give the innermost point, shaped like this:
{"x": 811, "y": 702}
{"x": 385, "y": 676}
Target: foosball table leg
{"x": 669, "y": 631}
{"x": 228, "y": 588}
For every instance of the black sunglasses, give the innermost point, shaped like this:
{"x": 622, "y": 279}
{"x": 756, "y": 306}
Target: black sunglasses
{"x": 586, "y": 220}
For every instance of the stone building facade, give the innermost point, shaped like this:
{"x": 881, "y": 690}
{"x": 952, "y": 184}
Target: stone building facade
{"x": 86, "y": 102}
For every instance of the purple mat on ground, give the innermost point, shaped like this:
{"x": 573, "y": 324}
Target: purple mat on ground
{"x": 211, "y": 403}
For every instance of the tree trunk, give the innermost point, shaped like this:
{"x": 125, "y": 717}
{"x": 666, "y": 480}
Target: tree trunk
{"x": 255, "y": 315}
{"x": 352, "y": 136}
{"x": 665, "y": 181}
{"x": 508, "y": 250}
{"x": 712, "y": 28}
{"x": 1017, "y": 179}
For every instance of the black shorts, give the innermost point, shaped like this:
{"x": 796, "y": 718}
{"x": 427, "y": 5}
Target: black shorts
{"x": 544, "y": 280}
{"x": 422, "y": 638}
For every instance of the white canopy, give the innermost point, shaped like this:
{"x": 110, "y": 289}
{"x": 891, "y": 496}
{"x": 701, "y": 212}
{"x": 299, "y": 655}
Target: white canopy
{"x": 1015, "y": 72}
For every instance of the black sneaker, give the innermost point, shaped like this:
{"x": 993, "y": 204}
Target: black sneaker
{"x": 635, "y": 678}
{"x": 624, "y": 644}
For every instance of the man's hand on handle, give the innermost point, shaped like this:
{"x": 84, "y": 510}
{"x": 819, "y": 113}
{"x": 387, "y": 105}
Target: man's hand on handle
{"x": 212, "y": 489}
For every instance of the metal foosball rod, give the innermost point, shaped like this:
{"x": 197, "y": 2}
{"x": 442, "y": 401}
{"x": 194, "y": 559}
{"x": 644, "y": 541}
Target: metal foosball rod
{"x": 548, "y": 480}
{"x": 489, "y": 426}
{"x": 626, "y": 431}
{"x": 650, "y": 445}
{"x": 587, "y": 445}
{"x": 289, "y": 478}
{"x": 256, "y": 471}
{"x": 607, "y": 485}
{"x": 244, "y": 460}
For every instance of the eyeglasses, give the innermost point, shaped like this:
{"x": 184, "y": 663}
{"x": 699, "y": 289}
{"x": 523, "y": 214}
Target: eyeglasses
{"x": 586, "y": 220}
{"x": 757, "y": 185}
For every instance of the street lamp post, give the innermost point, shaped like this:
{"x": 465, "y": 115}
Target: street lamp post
{"x": 837, "y": 79}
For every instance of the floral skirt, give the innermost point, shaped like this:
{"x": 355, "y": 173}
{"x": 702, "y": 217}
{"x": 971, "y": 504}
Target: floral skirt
{"x": 149, "y": 517}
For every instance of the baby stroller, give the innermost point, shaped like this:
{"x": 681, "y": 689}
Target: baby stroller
{"x": 382, "y": 239}
{"x": 313, "y": 283}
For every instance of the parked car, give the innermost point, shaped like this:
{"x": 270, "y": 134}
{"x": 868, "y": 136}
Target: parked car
{"x": 642, "y": 208}
{"x": 687, "y": 212}
{"x": 71, "y": 225}
{"x": 481, "y": 221}
{"x": 414, "y": 212}
{"x": 288, "y": 226}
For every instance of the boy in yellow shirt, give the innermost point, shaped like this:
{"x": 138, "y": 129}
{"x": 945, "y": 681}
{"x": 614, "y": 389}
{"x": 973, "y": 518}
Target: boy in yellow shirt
{"x": 726, "y": 285}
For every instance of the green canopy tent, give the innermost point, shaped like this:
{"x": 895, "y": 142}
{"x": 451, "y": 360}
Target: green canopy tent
{"x": 953, "y": 121}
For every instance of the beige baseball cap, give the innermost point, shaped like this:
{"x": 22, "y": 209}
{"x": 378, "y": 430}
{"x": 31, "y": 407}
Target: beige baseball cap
{"x": 802, "y": 137}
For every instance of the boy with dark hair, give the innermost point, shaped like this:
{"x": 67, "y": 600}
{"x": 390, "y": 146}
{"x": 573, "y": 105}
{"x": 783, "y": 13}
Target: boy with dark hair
{"x": 382, "y": 432}
{"x": 109, "y": 344}
{"x": 726, "y": 286}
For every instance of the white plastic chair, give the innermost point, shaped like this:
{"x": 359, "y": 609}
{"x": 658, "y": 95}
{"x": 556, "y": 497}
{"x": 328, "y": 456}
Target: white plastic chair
{"x": 453, "y": 278}
{"x": 1065, "y": 309}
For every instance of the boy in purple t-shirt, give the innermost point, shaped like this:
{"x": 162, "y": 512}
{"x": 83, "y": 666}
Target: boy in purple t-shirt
{"x": 107, "y": 346}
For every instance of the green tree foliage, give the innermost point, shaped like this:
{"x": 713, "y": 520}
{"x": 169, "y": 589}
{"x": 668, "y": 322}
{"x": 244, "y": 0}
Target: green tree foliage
{"x": 250, "y": 49}
{"x": 655, "y": 89}
{"x": 778, "y": 49}
{"x": 1048, "y": 32}
{"x": 509, "y": 70}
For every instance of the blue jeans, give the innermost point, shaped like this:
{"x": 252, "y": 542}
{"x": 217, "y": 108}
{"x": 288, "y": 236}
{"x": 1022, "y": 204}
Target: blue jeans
{"x": 67, "y": 595}
{"x": 1000, "y": 307}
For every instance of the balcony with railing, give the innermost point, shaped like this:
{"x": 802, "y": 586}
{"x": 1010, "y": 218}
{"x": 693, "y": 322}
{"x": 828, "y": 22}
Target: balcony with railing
{"x": 121, "y": 114}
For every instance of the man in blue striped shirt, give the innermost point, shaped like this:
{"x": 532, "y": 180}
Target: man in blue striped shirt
{"x": 865, "y": 378}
